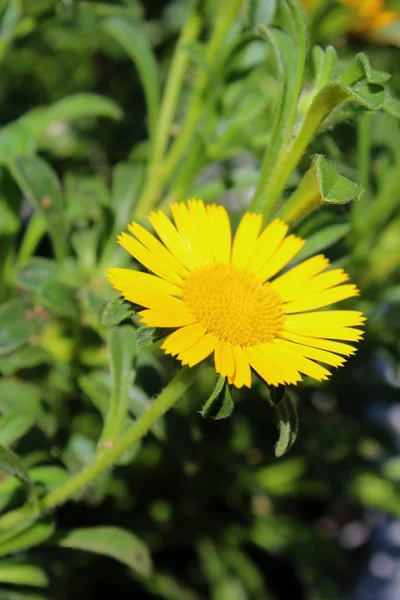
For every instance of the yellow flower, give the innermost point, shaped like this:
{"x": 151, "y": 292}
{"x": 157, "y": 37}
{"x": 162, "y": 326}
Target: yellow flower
{"x": 224, "y": 298}
{"x": 370, "y": 15}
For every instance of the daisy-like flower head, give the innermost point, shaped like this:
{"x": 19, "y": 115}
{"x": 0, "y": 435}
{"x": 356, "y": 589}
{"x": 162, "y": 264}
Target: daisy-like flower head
{"x": 370, "y": 15}
{"x": 228, "y": 297}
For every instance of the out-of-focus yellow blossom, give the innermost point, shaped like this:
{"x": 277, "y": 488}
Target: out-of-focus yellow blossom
{"x": 368, "y": 16}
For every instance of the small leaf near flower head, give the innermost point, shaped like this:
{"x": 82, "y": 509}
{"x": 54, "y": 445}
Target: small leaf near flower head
{"x": 288, "y": 420}
{"x": 115, "y": 312}
{"x": 222, "y": 397}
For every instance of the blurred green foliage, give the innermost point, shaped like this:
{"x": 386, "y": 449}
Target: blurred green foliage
{"x": 201, "y": 508}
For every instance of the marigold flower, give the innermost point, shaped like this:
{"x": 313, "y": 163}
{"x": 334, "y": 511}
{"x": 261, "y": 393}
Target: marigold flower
{"x": 225, "y": 297}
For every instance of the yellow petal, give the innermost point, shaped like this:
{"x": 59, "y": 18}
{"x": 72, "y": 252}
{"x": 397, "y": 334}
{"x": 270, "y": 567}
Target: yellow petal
{"x": 173, "y": 313}
{"x": 199, "y": 214}
{"x": 155, "y": 246}
{"x": 326, "y": 318}
{"x": 314, "y": 353}
{"x": 266, "y": 245}
{"x": 320, "y": 299}
{"x": 286, "y": 251}
{"x": 288, "y": 284}
{"x": 199, "y": 351}
{"x": 125, "y": 278}
{"x": 304, "y": 365}
{"x": 279, "y": 360}
{"x": 151, "y": 260}
{"x": 263, "y": 366}
{"x": 171, "y": 238}
{"x": 187, "y": 229}
{"x": 242, "y": 375}
{"x": 220, "y": 233}
{"x": 245, "y": 238}
{"x": 184, "y": 338}
{"x": 316, "y": 342}
{"x": 223, "y": 358}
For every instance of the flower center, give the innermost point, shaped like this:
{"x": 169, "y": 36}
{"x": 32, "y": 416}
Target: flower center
{"x": 234, "y": 305}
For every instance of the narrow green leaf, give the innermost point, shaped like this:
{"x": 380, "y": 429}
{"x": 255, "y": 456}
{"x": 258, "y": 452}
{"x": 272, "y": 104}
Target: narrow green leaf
{"x": 220, "y": 399}
{"x": 33, "y": 535}
{"x": 138, "y": 47}
{"x": 23, "y": 136}
{"x": 126, "y": 182}
{"x": 290, "y": 56}
{"x": 121, "y": 346}
{"x": 79, "y": 106}
{"x": 20, "y": 574}
{"x": 260, "y": 12}
{"x": 288, "y": 424}
{"x": 323, "y": 239}
{"x": 10, "y": 463}
{"x": 227, "y": 405}
{"x": 40, "y": 184}
{"x": 214, "y": 395}
{"x": 115, "y": 312}
{"x": 115, "y": 542}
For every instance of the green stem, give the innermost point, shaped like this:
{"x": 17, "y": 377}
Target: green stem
{"x": 173, "y": 86}
{"x": 305, "y": 199}
{"x": 158, "y": 174}
{"x": 34, "y": 232}
{"x": 290, "y": 155}
{"x": 168, "y": 397}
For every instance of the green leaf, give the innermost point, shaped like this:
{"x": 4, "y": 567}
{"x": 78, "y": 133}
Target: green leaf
{"x": 290, "y": 56}
{"x": 11, "y": 464}
{"x": 145, "y": 337}
{"x": 333, "y": 187}
{"x": 19, "y": 396}
{"x": 79, "y": 106}
{"x": 26, "y": 357}
{"x": 33, "y": 535}
{"x": 361, "y": 69}
{"x": 227, "y": 405}
{"x": 40, "y": 184}
{"x": 214, "y": 395}
{"x": 114, "y": 542}
{"x": 138, "y": 47}
{"x": 288, "y": 423}
{"x": 20, "y": 574}
{"x": 220, "y": 398}
{"x": 33, "y": 273}
{"x": 126, "y": 182}
{"x": 121, "y": 346}
{"x": 260, "y": 12}
{"x": 23, "y": 136}
{"x": 392, "y": 106}
{"x": 18, "y": 322}
{"x": 323, "y": 239}
{"x": 59, "y": 299}
{"x": 321, "y": 184}
{"x": 14, "y": 425}
{"x": 115, "y": 312}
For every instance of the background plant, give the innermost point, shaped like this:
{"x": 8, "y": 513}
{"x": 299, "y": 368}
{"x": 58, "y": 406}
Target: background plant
{"x": 110, "y": 109}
